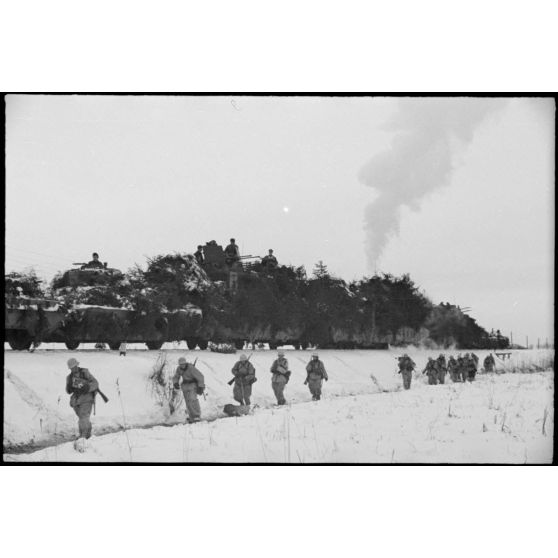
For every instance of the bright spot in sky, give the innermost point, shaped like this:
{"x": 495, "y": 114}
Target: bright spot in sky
{"x": 286, "y": 209}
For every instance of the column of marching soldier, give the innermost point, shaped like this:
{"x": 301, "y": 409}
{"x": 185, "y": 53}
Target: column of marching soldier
{"x": 83, "y": 387}
{"x": 460, "y": 369}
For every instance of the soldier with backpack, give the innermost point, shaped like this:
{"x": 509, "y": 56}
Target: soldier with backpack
{"x": 244, "y": 376}
{"x": 431, "y": 370}
{"x": 471, "y": 366}
{"x": 193, "y": 384}
{"x": 453, "y": 369}
{"x": 316, "y": 374}
{"x": 489, "y": 363}
{"x": 406, "y": 367}
{"x": 280, "y": 377}
{"x": 83, "y": 387}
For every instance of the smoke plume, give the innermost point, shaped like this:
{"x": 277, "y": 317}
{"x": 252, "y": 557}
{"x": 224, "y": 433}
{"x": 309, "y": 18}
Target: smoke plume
{"x": 430, "y": 136}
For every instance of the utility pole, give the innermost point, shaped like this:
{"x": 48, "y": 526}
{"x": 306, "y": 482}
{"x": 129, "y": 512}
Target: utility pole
{"x": 538, "y": 344}
{"x": 511, "y": 338}
{"x": 526, "y": 341}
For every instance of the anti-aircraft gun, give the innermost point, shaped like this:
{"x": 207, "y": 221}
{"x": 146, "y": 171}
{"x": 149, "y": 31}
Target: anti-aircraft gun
{"x": 219, "y": 268}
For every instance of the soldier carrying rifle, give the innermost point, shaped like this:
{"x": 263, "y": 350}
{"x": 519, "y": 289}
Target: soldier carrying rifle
{"x": 281, "y": 375}
{"x": 83, "y": 387}
{"x": 193, "y": 384}
{"x": 244, "y": 376}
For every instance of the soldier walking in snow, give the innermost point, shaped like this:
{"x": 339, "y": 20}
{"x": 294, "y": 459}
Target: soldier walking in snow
{"x": 452, "y": 369}
{"x": 431, "y": 371}
{"x": 442, "y": 369}
{"x": 471, "y": 367}
{"x": 122, "y": 349}
{"x": 244, "y": 376}
{"x": 316, "y": 374}
{"x": 193, "y": 384}
{"x": 406, "y": 367}
{"x": 280, "y": 377}
{"x": 82, "y": 386}
{"x": 489, "y": 363}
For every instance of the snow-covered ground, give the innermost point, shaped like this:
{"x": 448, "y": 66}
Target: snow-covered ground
{"x": 498, "y": 418}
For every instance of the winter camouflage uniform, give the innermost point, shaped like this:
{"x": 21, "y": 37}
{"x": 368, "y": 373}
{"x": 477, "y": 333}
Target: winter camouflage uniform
{"x": 193, "y": 384}
{"x": 431, "y": 370}
{"x": 280, "y": 371}
{"x": 316, "y": 374}
{"x": 83, "y": 387}
{"x": 471, "y": 367}
{"x": 244, "y": 376}
{"x": 489, "y": 363}
{"x": 442, "y": 369}
{"x": 452, "y": 369}
{"x": 406, "y": 367}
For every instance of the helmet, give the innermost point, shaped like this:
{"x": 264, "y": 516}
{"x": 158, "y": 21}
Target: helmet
{"x": 72, "y": 362}
{"x": 314, "y": 355}
{"x": 181, "y": 360}
{"x": 243, "y": 357}
{"x": 280, "y": 353}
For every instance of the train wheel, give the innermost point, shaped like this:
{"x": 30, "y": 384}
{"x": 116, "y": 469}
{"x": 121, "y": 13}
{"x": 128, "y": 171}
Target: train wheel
{"x": 296, "y": 346}
{"x": 239, "y": 344}
{"x": 202, "y": 344}
{"x": 272, "y": 345}
{"x": 72, "y": 345}
{"x": 20, "y": 342}
{"x": 114, "y": 345}
{"x": 154, "y": 345}
{"x": 191, "y": 342}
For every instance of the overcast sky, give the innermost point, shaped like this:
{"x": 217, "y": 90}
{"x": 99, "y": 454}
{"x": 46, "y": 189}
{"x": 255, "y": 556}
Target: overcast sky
{"x": 459, "y": 193}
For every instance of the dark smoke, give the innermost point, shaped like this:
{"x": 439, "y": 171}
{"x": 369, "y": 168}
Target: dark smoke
{"x": 431, "y": 134}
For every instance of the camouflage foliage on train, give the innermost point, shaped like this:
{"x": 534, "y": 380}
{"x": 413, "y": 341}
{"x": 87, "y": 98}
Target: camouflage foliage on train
{"x": 245, "y": 300}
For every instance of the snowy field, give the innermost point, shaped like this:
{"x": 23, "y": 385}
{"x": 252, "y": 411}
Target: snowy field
{"x": 500, "y": 418}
